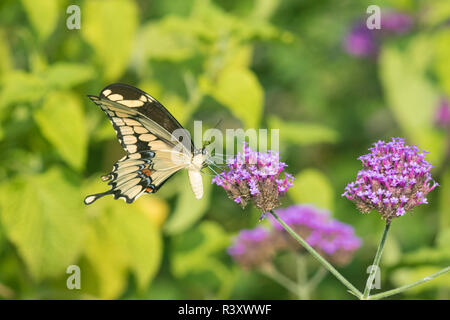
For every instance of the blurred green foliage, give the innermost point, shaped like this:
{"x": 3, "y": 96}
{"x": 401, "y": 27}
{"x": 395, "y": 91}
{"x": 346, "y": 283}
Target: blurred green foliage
{"x": 253, "y": 63}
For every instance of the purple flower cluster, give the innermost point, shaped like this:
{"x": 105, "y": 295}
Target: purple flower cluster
{"x": 394, "y": 179}
{"x": 333, "y": 239}
{"x": 396, "y": 22}
{"x": 257, "y": 177}
{"x": 442, "y": 115}
{"x": 252, "y": 247}
{"x": 364, "y": 42}
{"x": 361, "y": 41}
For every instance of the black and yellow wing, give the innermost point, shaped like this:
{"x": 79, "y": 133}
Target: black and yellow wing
{"x": 144, "y": 129}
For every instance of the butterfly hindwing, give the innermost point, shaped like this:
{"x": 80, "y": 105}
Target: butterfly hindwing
{"x": 136, "y": 174}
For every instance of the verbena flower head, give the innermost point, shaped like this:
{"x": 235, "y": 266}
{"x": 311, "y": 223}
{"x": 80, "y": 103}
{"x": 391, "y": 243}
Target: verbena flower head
{"x": 442, "y": 115}
{"x": 257, "y": 177}
{"x": 330, "y": 237}
{"x": 394, "y": 179}
{"x": 360, "y": 41}
{"x": 252, "y": 247}
{"x": 396, "y": 22}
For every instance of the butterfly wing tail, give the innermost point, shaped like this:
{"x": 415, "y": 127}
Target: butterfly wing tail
{"x": 93, "y": 197}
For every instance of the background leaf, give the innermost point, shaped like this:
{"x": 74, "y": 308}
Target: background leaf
{"x": 405, "y": 276}
{"x": 36, "y": 212}
{"x": 181, "y": 219}
{"x": 305, "y": 133}
{"x": 58, "y": 111}
{"x": 240, "y": 91}
{"x": 109, "y": 28}
{"x": 410, "y": 95}
{"x": 43, "y": 16}
{"x": 66, "y": 75}
{"x": 20, "y": 87}
{"x": 121, "y": 239}
{"x": 312, "y": 186}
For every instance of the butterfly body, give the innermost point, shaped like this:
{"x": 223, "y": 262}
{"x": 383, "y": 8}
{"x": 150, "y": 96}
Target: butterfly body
{"x": 146, "y": 131}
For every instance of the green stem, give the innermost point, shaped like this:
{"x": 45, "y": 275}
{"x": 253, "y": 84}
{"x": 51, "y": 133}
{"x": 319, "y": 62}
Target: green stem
{"x": 376, "y": 262}
{"x": 278, "y": 277}
{"x": 316, "y": 278}
{"x": 316, "y": 255}
{"x": 408, "y": 286}
{"x": 302, "y": 277}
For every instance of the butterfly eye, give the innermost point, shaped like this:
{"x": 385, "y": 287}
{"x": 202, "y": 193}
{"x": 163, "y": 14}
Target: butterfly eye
{"x": 204, "y": 151}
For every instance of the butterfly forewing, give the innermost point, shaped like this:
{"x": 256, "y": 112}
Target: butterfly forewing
{"x": 142, "y": 103}
{"x": 153, "y": 154}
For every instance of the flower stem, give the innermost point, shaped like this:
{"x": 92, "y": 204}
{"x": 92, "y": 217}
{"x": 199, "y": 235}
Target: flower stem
{"x": 408, "y": 286}
{"x": 315, "y": 280}
{"x": 316, "y": 255}
{"x": 278, "y": 277}
{"x": 302, "y": 277}
{"x": 376, "y": 262}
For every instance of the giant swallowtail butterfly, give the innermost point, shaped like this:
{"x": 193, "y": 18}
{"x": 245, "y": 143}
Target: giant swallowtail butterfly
{"x": 146, "y": 130}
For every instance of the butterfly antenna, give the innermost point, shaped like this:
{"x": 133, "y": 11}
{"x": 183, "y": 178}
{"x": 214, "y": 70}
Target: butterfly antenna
{"x": 213, "y": 170}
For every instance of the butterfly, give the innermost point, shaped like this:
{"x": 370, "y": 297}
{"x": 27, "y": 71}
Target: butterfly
{"x": 156, "y": 144}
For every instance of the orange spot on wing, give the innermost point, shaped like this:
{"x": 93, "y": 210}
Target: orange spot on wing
{"x": 147, "y": 172}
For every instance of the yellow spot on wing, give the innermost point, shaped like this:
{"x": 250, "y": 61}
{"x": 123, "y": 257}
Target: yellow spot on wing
{"x": 115, "y": 97}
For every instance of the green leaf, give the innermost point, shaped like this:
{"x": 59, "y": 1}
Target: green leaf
{"x": 61, "y": 120}
{"x": 20, "y": 87}
{"x": 122, "y": 239}
{"x": 437, "y": 13}
{"x": 303, "y": 133}
{"x": 43, "y": 16}
{"x": 188, "y": 209}
{"x": 64, "y": 75}
{"x": 141, "y": 240}
{"x": 166, "y": 39}
{"x": 437, "y": 255}
{"x": 406, "y": 276}
{"x": 442, "y": 48}
{"x": 444, "y": 201}
{"x": 108, "y": 277}
{"x": 411, "y": 95}
{"x": 109, "y": 27}
{"x": 240, "y": 91}
{"x": 392, "y": 252}
{"x": 42, "y": 216}
{"x": 193, "y": 255}
{"x": 312, "y": 186}
{"x": 6, "y": 59}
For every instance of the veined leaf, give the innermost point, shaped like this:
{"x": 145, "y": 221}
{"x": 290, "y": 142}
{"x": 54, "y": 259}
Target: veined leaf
{"x": 42, "y": 216}
{"x": 19, "y": 87}
{"x": 109, "y": 27}
{"x": 239, "y": 90}
{"x": 61, "y": 120}
{"x": 43, "y": 16}
{"x": 122, "y": 239}
{"x": 410, "y": 95}
{"x": 64, "y": 75}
